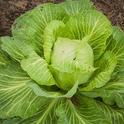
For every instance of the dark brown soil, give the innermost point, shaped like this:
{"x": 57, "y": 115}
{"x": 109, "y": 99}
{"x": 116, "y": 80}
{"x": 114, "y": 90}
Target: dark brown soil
{"x": 11, "y": 9}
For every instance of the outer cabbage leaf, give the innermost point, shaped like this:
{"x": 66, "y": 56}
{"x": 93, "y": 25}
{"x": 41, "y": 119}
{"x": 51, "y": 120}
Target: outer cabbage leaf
{"x": 16, "y": 97}
{"x": 38, "y": 70}
{"x": 118, "y": 76}
{"x": 46, "y": 115}
{"x": 112, "y": 93}
{"x": 57, "y": 93}
{"x": 116, "y": 45}
{"x": 105, "y": 67}
{"x": 33, "y": 64}
{"x": 73, "y": 7}
{"x": 64, "y": 111}
{"x": 30, "y": 26}
{"x": 115, "y": 115}
{"x": 3, "y": 58}
{"x": 16, "y": 49}
{"x": 85, "y": 111}
{"x": 14, "y": 120}
{"x": 67, "y": 112}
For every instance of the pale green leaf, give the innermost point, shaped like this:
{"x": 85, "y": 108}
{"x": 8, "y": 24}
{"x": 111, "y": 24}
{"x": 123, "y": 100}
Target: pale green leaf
{"x": 50, "y": 36}
{"x": 112, "y": 93}
{"x": 34, "y": 65}
{"x": 85, "y": 111}
{"x": 93, "y": 25}
{"x": 116, "y": 45}
{"x": 75, "y": 63}
{"x": 118, "y": 76}
{"x": 16, "y": 97}
{"x": 30, "y": 26}
{"x": 69, "y": 112}
{"x": 3, "y": 58}
{"x": 115, "y": 115}
{"x": 39, "y": 91}
{"x": 14, "y": 120}
{"x": 16, "y": 49}
{"x": 66, "y": 111}
{"x": 106, "y": 66}
{"x": 38, "y": 70}
{"x": 46, "y": 115}
{"x": 73, "y": 7}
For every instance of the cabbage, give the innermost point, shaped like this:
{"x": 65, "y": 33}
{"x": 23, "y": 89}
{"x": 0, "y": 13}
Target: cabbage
{"x": 63, "y": 64}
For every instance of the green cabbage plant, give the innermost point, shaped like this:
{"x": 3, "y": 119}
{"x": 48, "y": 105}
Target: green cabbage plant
{"x": 63, "y": 64}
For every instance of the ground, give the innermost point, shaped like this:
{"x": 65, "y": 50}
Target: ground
{"x": 11, "y": 9}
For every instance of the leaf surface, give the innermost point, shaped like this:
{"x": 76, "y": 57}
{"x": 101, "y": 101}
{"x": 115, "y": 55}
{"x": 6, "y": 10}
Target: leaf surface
{"x": 106, "y": 66}
{"x": 16, "y": 97}
{"x": 30, "y": 26}
{"x": 91, "y": 25}
{"x": 30, "y": 61}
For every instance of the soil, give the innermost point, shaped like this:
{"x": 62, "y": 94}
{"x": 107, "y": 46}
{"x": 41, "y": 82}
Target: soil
{"x": 11, "y": 9}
